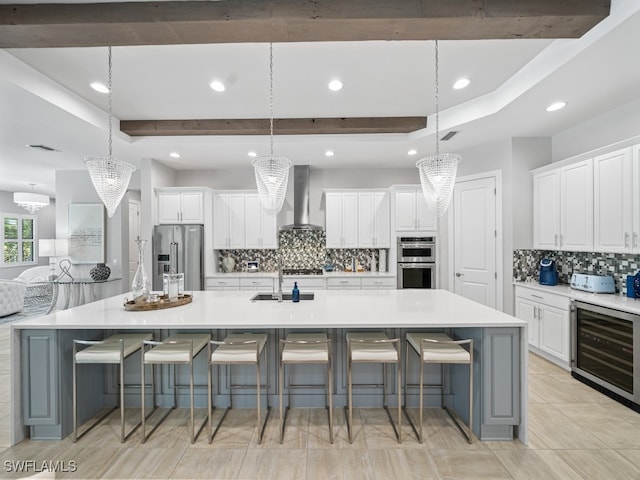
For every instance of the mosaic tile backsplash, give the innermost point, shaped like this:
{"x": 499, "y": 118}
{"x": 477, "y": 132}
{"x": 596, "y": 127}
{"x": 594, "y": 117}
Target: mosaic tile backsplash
{"x": 526, "y": 265}
{"x": 301, "y": 249}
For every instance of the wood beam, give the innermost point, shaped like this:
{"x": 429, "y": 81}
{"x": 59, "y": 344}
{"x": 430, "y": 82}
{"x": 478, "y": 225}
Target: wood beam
{"x": 239, "y": 21}
{"x": 281, "y": 126}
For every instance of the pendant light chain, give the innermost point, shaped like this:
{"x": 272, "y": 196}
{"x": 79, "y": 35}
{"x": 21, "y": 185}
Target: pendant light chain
{"x": 110, "y": 80}
{"x": 271, "y": 97}
{"x": 437, "y": 103}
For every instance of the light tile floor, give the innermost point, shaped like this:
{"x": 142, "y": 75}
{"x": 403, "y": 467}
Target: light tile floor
{"x": 575, "y": 433}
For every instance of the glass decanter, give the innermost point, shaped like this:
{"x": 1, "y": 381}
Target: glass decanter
{"x": 141, "y": 283}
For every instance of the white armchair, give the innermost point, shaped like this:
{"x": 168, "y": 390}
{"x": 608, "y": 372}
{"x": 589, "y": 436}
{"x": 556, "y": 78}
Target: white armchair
{"x": 11, "y": 296}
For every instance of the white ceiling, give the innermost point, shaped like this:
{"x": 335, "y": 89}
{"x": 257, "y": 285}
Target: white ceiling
{"x": 45, "y": 96}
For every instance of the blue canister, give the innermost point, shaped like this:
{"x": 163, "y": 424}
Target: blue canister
{"x": 630, "y": 290}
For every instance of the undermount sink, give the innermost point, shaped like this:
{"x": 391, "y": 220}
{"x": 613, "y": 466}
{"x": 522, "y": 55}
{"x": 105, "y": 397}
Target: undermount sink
{"x": 286, "y": 297}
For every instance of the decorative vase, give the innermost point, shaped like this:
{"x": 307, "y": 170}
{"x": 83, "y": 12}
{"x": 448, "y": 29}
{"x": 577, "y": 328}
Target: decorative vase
{"x": 100, "y": 272}
{"x": 140, "y": 285}
{"x": 228, "y": 263}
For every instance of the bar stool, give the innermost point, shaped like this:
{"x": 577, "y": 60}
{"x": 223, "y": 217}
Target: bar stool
{"x": 239, "y": 349}
{"x": 441, "y": 348}
{"x": 306, "y": 348}
{"x": 112, "y": 350}
{"x": 178, "y": 349}
{"x": 374, "y": 347}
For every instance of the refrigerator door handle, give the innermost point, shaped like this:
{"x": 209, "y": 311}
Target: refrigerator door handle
{"x": 173, "y": 258}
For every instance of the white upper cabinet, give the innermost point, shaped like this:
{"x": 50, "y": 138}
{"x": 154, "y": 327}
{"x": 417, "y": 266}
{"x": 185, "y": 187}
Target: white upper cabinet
{"x": 412, "y": 213}
{"x": 228, "y": 220}
{"x": 613, "y": 196}
{"x": 563, "y": 208}
{"x": 341, "y": 219}
{"x": 180, "y": 206}
{"x": 546, "y": 210}
{"x": 260, "y": 229}
{"x": 576, "y": 206}
{"x": 373, "y": 220}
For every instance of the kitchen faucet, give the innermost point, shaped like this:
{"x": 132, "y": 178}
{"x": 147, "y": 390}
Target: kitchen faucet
{"x": 278, "y": 295}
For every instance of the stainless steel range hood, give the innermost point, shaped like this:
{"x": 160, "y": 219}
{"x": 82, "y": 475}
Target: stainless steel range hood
{"x": 301, "y": 200}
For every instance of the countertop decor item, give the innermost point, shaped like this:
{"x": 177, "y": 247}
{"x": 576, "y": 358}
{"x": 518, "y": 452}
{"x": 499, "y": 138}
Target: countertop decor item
{"x": 228, "y": 263}
{"x": 100, "y": 272}
{"x": 140, "y": 285}
{"x": 144, "y": 305}
{"x": 110, "y": 177}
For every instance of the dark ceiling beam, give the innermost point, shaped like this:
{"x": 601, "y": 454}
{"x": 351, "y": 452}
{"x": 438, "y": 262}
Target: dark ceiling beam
{"x": 281, "y": 126}
{"x": 239, "y": 21}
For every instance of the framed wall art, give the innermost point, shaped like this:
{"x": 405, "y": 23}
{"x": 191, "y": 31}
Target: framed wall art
{"x": 86, "y": 233}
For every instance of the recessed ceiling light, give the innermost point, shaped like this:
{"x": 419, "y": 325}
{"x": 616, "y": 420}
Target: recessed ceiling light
{"x": 218, "y": 86}
{"x": 329, "y": 153}
{"x": 556, "y": 106}
{"x": 413, "y": 151}
{"x": 174, "y": 155}
{"x": 461, "y": 83}
{"x": 335, "y": 85}
{"x": 99, "y": 87}
{"x": 252, "y": 154}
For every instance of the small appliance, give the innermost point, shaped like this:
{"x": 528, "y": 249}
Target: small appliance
{"x": 593, "y": 283}
{"x": 548, "y": 272}
{"x": 253, "y": 266}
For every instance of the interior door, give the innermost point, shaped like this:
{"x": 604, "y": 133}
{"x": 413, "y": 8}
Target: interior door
{"x": 474, "y": 212}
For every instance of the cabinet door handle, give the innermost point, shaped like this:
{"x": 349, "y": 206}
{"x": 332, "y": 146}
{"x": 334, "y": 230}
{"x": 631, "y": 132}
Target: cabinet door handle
{"x": 555, "y": 239}
{"x": 560, "y": 245}
{"x": 537, "y": 296}
{"x": 634, "y": 240}
{"x": 535, "y": 312}
{"x": 343, "y": 281}
{"x": 626, "y": 239}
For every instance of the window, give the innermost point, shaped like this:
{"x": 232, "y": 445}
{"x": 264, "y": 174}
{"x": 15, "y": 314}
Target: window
{"x": 18, "y": 240}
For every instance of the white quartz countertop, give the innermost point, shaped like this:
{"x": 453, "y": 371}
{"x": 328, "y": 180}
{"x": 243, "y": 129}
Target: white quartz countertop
{"x": 330, "y": 309}
{"x": 610, "y": 300}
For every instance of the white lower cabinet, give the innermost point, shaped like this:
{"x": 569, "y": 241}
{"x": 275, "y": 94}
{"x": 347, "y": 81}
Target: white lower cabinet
{"x": 254, "y": 284}
{"x": 379, "y": 283}
{"x": 548, "y": 316}
{"x": 341, "y": 283}
{"x": 222, "y": 283}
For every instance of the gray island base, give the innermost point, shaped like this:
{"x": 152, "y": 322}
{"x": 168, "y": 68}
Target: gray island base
{"x": 42, "y": 407}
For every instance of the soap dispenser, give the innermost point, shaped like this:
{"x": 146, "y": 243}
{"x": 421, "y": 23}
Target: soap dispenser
{"x": 295, "y": 293}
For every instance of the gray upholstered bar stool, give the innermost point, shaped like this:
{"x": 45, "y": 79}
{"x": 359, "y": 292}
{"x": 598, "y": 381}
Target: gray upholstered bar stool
{"x": 112, "y": 350}
{"x": 306, "y": 348}
{"x": 374, "y": 347}
{"x": 239, "y": 349}
{"x": 178, "y": 349}
{"x": 440, "y": 348}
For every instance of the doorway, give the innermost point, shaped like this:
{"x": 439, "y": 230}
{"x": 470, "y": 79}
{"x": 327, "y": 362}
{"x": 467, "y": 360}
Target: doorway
{"x": 475, "y": 242}
{"x": 134, "y": 234}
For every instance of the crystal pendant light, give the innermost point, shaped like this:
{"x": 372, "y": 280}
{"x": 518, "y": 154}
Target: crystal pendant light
{"x": 272, "y": 173}
{"x": 30, "y": 201}
{"x": 438, "y": 172}
{"x": 110, "y": 176}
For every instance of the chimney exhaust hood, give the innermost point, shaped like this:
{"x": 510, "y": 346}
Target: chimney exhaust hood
{"x": 301, "y": 200}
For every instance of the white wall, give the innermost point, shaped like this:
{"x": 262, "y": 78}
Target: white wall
{"x": 527, "y": 154}
{"x": 45, "y": 224}
{"x": 74, "y": 186}
{"x": 619, "y": 127}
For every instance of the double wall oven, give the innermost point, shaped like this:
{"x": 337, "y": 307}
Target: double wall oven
{"x": 605, "y": 351}
{"x": 417, "y": 262}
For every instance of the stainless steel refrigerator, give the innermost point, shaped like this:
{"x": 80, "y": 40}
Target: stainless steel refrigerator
{"x": 179, "y": 249}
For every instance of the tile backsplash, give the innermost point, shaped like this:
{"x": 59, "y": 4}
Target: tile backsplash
{"x": 301, "y": 249}
{"x": 526, "y": 265}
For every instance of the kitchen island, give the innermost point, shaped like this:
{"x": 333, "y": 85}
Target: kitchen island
{"x": 500, "y": 399}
